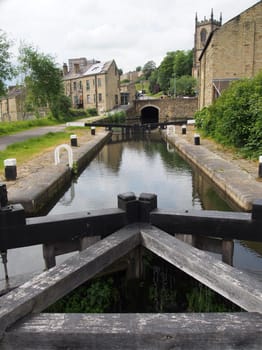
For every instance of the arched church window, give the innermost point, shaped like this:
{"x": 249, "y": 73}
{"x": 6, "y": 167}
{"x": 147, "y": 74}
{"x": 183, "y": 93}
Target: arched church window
{"x": 203, "y": 36}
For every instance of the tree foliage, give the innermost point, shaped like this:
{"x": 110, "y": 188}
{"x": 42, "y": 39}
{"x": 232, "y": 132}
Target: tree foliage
{"x": 183, "y": 61}
{"x": 6, "y": 68}
{"x": 235, "y": 118}
{"x": 185, "y": 85}
{"x": 166, "y": 72}
{"x": 43, "y": 80}
{"x": 168, "y": 76}
{"x": 148, "y": 68}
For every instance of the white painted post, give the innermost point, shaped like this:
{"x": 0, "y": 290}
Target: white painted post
{"x": 171, "y": 130}
{"x": 69, "y": 153}
{"x": 10, "y": 169}
{"x": 73, "y": 139}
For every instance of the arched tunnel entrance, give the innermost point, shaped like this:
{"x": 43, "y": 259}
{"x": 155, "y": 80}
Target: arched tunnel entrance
{"x": 149, "y": 115}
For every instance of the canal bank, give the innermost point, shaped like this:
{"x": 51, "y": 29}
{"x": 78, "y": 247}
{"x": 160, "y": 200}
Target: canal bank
{"x": 236, "y": 178}
{"x": 41, "y": 185}
{"x": 42, "y": 181}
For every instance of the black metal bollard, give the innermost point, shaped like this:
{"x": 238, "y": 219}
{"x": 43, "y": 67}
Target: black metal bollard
{"x": 73, "y": 139}
{"x": 256, "y": 213}
{"x": 3, "y": 196}
{"x": 147, "y": 203}
{"x": 10, "y": 169}
{"x": 260, "y": 167}
{"x": 93, "y": 130}
{"x": 183, "y": 128}
{"x": 128, "y": 202}
{"x": 137, "y": 210}
{"x": 197, "y": 139}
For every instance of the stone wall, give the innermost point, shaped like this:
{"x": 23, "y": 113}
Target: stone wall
{"x": 234, "y": 52}
{"x": 169, "y": 109}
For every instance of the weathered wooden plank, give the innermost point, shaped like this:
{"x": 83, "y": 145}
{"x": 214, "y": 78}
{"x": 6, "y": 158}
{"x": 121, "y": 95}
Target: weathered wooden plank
{"x": 137, "y": 331}
{"x": 233, "y": 284}
{"x": 231, "y": 225}
{"x": 44, "y": 289}
{"x": 54, "y": 228}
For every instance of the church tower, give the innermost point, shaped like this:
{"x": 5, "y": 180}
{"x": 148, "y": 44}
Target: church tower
{"x": 202, "y": 31}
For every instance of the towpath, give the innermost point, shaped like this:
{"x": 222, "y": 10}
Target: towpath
{"x": 235, "y": 176}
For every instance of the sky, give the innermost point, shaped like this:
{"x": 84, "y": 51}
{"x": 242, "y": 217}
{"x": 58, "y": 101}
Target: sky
{"x": 130, "y": 32}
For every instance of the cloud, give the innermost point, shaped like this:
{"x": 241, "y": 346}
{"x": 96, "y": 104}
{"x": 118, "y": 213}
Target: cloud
{"x": 131, "y": 32}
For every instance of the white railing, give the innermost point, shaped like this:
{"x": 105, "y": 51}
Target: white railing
{"x": 69, "y": 152}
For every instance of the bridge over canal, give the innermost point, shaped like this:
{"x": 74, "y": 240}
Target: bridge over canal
{"x": 163, "y": 110}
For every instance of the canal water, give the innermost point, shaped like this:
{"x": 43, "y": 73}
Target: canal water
{"x": 137, "y": 165}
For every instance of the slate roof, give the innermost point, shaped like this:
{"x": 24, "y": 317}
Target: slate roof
{"x": 90, "y": 69}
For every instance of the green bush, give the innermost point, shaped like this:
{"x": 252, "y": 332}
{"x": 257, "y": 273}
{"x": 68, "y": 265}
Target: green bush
{"x": 91, "y": 112}
{"x": 235, "y": 118}
{"x": 117, "y": 117}
{"x": 97, "y": 297}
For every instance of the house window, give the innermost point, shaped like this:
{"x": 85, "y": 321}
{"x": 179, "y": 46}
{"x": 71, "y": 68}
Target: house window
{"x": 74, "y": 85}
{"x": 116, "y": 99}
{"x": 100, "y": 97}
{"x": 87, "y": 84}
{"x": 80, "y": 85}
{"x": 88, "y": 99}
{"x": 99, "y": 83}
{"x": 75, "y": 100}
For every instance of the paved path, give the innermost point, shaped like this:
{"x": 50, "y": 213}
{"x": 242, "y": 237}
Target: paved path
{"x": 24, "y": 135}
{"x": 35, "y": 132}
{"x": 236, "y": 177}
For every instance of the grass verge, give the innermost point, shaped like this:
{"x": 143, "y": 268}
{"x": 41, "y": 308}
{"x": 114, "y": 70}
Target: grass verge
{"x": 26, "y": 150}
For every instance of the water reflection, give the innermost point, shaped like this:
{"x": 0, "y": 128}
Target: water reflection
{"x": 142, "y": 165}
{"x": 137, "y": 166}
{"x": 147, "y": 165}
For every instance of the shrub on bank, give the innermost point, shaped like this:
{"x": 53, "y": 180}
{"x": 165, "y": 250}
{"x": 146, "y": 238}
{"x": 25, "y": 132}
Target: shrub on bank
{"x": 117, "y": 117}
{"x": 235, "y": 118}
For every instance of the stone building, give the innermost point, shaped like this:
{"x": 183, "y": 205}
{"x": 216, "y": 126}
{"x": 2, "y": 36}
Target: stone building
{"x": 128, "y": 93}
{"x": 232, "y": 51}
{"x": 203, "y": 29}
{"x": 11, "y": 105}
{"x": 92, "y": 84}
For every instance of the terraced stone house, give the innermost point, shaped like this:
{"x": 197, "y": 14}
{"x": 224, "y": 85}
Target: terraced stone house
{"x": 92, "y": 84}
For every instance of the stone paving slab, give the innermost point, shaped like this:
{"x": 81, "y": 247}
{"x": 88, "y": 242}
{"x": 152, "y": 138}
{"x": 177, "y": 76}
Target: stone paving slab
{"x": 41, "y": 186}
{"x": 237, "y": 184}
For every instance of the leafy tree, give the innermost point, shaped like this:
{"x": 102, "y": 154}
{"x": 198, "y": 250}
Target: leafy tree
{"x": 138, "y": 69}
{"x": 120, "y": 71}
{"x": 174, "y": 65}
{"x": 153, "y": 83}
{"x": 6, "y": 68}
{"x": 183, "y": 61}
{"x": 185, "y": 85}
{"x": 148, "y": 68}
{"x": 166, "y": 71}
{"x": 43, "y": 80}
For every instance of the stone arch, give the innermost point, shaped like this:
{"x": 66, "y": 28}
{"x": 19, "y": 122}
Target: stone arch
{"x": 149, "y": 114}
